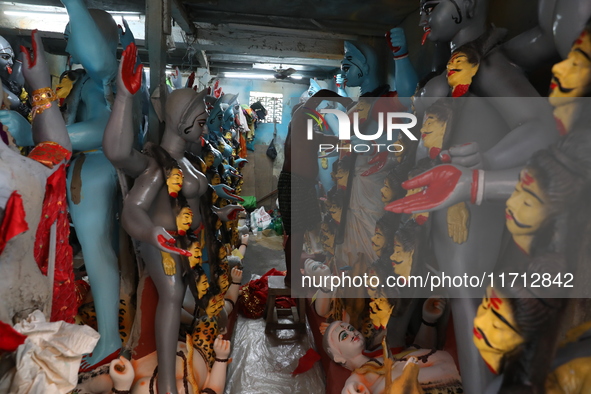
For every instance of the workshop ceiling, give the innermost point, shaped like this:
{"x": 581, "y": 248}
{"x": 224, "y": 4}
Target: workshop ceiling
{"x": 229, "y": 35}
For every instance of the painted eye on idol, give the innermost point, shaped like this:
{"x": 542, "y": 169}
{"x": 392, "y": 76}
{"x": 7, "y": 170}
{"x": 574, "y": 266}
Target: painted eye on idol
{"x": 428, "y": 7}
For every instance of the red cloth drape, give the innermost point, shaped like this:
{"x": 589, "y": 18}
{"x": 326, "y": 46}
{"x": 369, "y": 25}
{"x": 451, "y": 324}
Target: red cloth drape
{"x": 253, "y": 296}
{"x": 14, "y": 222}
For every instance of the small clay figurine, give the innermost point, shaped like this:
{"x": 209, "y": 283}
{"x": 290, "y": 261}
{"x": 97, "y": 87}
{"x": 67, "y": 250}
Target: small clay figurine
{"x": 345, "y": 346}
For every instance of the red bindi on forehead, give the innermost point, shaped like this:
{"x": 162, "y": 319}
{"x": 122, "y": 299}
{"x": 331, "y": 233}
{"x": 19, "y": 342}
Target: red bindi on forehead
{"x": 527, "y": 179}
{"x": 495, "y": 301}
{"x": 579, "y": 40}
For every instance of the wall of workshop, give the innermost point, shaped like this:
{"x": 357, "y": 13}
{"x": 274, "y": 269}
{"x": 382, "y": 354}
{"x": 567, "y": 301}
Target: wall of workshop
{"x": 261, "y": 173}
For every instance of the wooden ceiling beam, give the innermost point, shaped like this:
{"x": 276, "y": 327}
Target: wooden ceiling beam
{"x": 222, "y": 38}
{"x": 181, "y": 17}
{"x": 355, "y": 28}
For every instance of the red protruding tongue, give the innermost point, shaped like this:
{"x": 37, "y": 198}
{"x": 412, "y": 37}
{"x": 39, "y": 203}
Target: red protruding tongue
{"x": 425, "y": 35}
{"x": 9, "y": 69}
{"x": 434, "y": 152}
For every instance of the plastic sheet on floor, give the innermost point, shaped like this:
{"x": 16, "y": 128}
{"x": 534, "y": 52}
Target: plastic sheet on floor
{"x": 261, "y": 365}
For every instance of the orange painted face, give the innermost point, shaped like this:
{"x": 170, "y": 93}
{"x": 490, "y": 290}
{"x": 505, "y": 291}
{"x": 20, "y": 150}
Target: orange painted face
{"x": 222, "y": 253}
{"x": 380, "y": 310}
{"x": 572, "y": 76}
{"x": 378, "y": 241}
{"x": 526, "y": 208}
{"x": 401, "y": 259}
{"x": 202, "y": 286}
{"x": 341, "y": 177}
{"x": 174, "y": 182}
{"x": 387, "y": 192}
{"x": 209, "y": 159}
{"x": 335, "y": 211}
{"x": 433, "y": 131}
{"x": 64, "y": 88}
{"x": 460, "y": 71}
{"x": 216, "y": 179}
{"x": 196, "y": 254}
{"x": 495, "y": 331}
{"x": 184, "y": 220}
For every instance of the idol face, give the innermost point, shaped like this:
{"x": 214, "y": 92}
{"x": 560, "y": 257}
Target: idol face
{"x": 312, "y": 267}
{"x": 459, "y": 70}
{"x": 196, "y": 254}
{"x": 202, "y": 286}
{"x": 174, "y": 182}
{"x": 526, "y": 209}
{"x": 198, "y": 127}
{"x": 209, "y": 159}
{"x": 495, "y": 331}
{"x": 223, "y": 283}
{"x": 350, "y": 66}
{"x": 184, "y": 220}
{"x": 335, "y": 211}
{"x": 222, "y": 253}
{"x": 6, "y": 58}
{"x": 433, "y": 131}
{"x": 442, "y": 19}
{"x": 380, "y": 311}
{"x": 216, "y": 118}
{"x": 572, "y": 76}
{"x": 345, "y": 341}
{"x": 401, "y": 259}
{"x": 388, "y": 194}
{"x": 341, "y": 177}
{"x": 63, "y": 89}
{"x": 378, "y": 241}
